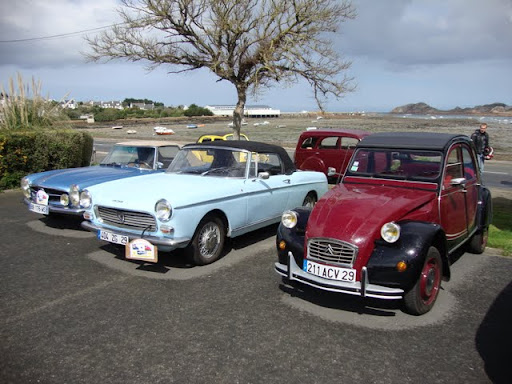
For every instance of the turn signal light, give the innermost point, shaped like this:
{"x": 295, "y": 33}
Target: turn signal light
{"x": 282, "y": 245}
{"x": 401, "y": 266}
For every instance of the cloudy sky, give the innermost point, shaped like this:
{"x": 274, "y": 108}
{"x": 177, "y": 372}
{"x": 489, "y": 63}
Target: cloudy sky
{"x": 446, "y": 53}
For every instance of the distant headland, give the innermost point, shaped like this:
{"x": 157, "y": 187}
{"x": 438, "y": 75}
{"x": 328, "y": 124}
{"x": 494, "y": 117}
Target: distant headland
{"x": 496, "y": 109}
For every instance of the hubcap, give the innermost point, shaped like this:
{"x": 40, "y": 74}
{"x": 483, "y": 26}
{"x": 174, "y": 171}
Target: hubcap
{"x": 430, "y": 279}
{"x": 209, "y": 240}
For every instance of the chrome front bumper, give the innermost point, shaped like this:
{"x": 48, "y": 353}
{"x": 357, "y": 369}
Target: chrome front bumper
{"x": 61, "y": 210}
{"x": 360, "y": 288}
{"x": 166, "y": 244}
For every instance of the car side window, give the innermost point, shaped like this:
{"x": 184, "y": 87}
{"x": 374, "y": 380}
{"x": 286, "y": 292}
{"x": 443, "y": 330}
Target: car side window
{"x": 453, "y": 166}
{"x": 329, "y": 143}
{"x": 308, "y": 143}
{"x": 271, "y": 163}
{"x": 469, "y": 164}
{"x": 348, "y": 142}
{"x": 166, "y": 155}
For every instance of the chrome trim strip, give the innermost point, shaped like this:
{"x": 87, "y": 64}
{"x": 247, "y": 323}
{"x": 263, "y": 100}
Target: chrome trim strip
{"x": 55, "y": 209}
{"x": 159, "y": 241}
{"x": 356, "y": 288}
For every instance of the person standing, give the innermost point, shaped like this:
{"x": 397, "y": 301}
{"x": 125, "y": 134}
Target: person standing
{"x": 481, "y": 140}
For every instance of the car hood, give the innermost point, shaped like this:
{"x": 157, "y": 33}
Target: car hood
{"x": 355, "y": 213}
{"x": 142, "y": 193}
{"x": 84, "y": 177}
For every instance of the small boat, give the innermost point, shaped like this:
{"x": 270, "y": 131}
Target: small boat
{"x": 192, "y": 126}
{"x": 163, "y": 131}
{"x": 117, "y": 127}
{"x": 131, "y": 131}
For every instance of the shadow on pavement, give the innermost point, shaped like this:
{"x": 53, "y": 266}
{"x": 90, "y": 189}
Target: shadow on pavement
{"x": 494, "y": 338}
{"x": 178, "y": 258}
{"x": 332, "y": 300}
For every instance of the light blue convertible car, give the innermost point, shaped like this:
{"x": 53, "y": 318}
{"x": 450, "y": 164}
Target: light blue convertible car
{"x": 210, "y": 191}
{"x": 58, "y": 191}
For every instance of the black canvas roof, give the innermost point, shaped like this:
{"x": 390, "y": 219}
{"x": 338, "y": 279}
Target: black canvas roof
{"x": 411, "y": 140}
{"x": 253, "y": 146}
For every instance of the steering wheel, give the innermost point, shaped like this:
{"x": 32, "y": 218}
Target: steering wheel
{"x": 139, "y": 164}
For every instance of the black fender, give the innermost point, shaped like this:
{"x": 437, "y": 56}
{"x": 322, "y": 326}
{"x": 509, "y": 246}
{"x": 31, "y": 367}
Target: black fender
{"x": 412, "y": 247}
{"x": 293, "y": 237}
{"x": 484, "y": 209}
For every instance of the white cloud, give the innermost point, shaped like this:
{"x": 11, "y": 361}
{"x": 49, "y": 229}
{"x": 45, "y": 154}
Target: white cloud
{"x": 41, "y": 18}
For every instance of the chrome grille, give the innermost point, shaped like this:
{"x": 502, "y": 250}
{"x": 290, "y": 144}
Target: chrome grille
{"x": 127, "y": 219}
{"x": 53, "y": 194}
{"x": 332, "y": 251}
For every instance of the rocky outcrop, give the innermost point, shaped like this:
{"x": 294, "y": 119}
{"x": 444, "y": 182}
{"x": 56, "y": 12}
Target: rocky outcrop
{"x": 425, "y": 109}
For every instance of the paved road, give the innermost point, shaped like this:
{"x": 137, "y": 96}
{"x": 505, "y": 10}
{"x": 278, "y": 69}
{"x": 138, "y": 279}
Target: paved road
{"x": 498, "y": 174}
{"x": 73, "y": 311}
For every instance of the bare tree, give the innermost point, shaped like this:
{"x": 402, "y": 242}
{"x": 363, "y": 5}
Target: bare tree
{"x": 250, "y": 43}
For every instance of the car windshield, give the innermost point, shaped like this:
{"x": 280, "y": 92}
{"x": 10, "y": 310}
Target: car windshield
{"x": 131, "y": 156}
{"x": 224, "y": 162}
{"x": 396, "y": 164}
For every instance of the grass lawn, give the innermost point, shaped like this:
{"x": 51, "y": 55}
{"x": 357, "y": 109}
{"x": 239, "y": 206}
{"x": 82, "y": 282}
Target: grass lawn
{"x": 500, "y": 232}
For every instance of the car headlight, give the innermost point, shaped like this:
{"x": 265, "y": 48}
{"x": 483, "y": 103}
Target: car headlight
{"x": 64, "y": 199}
{"x": 25, "y": 186}
{"x": 390, "y": 232}
{"x": 85, "y": 199}
{"x": 163, "y": 210}
{"x": 289, "y": 219}
{"x": 74, "y": 195}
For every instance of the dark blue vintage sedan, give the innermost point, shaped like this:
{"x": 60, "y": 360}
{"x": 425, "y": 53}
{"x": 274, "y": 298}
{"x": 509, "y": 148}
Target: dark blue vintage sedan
{"x": 58, "y": 191}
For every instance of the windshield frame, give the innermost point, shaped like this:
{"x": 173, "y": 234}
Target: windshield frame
{"x": 109, "y": 161}
{"x": 400, "y": 164}
{"x": 206, "y": 162}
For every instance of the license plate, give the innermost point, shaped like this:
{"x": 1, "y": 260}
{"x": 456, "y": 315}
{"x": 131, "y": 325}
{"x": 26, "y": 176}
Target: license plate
{"x": 112, "y": 237}
{"x": 39, "y": 208}
{"x": 329, "y": 272}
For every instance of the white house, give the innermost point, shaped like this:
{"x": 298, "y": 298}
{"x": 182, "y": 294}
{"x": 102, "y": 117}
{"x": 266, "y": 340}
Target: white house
{"x": 69, "y": 104}
{"x": 144, "y": 106}
{"x": 249, "y": 110}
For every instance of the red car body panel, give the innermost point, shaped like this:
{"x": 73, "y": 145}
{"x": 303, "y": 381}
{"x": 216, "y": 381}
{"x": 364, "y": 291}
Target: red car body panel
{"x": 311, "y": 154}
{"x": 355, "y": 212}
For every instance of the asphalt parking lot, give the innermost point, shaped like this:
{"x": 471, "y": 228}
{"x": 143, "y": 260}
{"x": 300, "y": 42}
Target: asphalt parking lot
{"x": 74, "y": 311}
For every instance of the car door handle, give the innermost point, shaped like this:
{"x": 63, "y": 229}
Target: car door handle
{"x": 287, "y": 181}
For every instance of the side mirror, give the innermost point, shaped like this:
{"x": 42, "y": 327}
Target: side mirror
{"x": 159, "y": 165}
{"x": 263, "y": 175}
{"x": 331, "y": 171}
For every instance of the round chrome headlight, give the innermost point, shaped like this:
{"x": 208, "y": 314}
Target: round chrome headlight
{"x": 64, "y": 199}
{"x": 85, "y": 199}
{"x": 390, "y": 232}
{"x": 163, "y": 210}
{"x": 25, "y": 186}
{"x": 289, "y": 219}
{"x": 74, "y": 195}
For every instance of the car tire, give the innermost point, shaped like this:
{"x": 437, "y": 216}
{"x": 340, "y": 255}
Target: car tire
{"x": 309, "y": 200}
{"x": 208, "y": 241}
{"x": 478, "y": 242}
{"x": 421, "y": 298}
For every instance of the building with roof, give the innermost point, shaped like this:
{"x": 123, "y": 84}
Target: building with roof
{"x": 257, "y": 111}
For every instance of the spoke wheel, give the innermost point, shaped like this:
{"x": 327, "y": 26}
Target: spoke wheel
{"x": 421, "y": 298}
{"x": 208, "y": 241}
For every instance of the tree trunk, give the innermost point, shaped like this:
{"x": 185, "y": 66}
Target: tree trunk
{"x": 238, "y": 113}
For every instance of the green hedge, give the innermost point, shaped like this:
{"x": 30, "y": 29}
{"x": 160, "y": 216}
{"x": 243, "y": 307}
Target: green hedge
{"x": 22, "y": 153}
